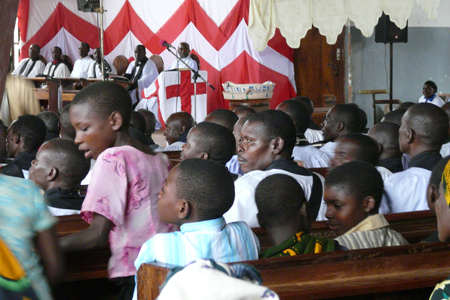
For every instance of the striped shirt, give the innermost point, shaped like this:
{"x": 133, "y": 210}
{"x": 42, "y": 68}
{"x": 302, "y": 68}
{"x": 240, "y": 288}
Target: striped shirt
{"x": 372, "y": 232}
{"x": 211, "y": 239}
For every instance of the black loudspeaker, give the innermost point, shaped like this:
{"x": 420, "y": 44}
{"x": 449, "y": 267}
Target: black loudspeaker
{"x": 387, "y": 32}
{"x": 88, "y": 5}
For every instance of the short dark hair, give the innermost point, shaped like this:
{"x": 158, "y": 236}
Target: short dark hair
{"x": 67, "y": 130}
{"x": 217, "y": 141}
{"x": 277, "y": 124}
{"x": 436, "y": 173}
{"x": 306, "y": 102}
{"x": 386, "y": 134}
{"x": 184, "y": 118}
{"x": 299, "y": 114}
{"x": 367, "y": 147}
{"x": 104, "y": 98}
{"x": 57, "y": 48}
{"x": 70, "y": 162}
{"x": 207, "y": 185}
{"x": 349, "y": 115}
{"x": 86, "y": 45}
{"x": 138, "y": 122}
{"x": 358, "y": 179}
{"x": 279, "y": 198}
{"x": 224, "y": 117}
{"x": 245, "y": 110}
{"x": 363, "y": 117}
{"x": 150, "y": 119}
{"x": 50, "y": 119}
{"x": 430, "y": 123}
{"x": 31, "y": 129}
{"x": 431, "y": 84}
{"x": 395, "y": 116}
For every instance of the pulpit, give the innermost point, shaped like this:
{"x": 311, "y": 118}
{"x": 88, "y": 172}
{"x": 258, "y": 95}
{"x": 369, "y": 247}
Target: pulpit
{"x": 175, "y": 91}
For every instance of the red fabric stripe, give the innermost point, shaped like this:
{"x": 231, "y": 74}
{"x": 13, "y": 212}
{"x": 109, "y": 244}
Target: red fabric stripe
{"x": 185, "y": 91}
{"x": 22, "y": 15}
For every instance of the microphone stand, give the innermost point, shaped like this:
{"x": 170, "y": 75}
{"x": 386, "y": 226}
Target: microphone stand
{"x": 195, "y": 77}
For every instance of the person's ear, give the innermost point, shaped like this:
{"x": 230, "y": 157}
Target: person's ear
{"x": 182, "y": 129}
{"x": 204, "y": 156}
{"x": 369, "y": 204}
{"x": 277, "y": 145}
{"x": 409, "y": 135}
{"x": 184, "y": 209}
{"x": 116, "y": 120}
{"x": 380, "y": 148}
{"x": 16, "y": 138}
{"x": 260, "y": 221}
{"x": 304, "y": 217}
{"x": 52, "y": 174}
{"x": 340, "y": 126}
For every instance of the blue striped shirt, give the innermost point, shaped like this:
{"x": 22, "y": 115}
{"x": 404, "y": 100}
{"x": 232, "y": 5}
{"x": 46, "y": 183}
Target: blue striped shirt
{"x": 211, "y": 239}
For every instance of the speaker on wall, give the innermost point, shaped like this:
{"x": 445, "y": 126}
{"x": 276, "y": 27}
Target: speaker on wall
{"x": 387, "y": 32}
{"x": 88, "y": 5}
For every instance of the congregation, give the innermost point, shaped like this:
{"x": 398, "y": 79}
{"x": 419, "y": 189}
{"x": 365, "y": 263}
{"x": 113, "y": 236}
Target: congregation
{"x": 237, "y": 170}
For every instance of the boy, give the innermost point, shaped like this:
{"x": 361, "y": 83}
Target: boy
{"x": 353, "y": 194}
{"x": 24, "y": 137}
{"x": 211, "y": 142}
{"x": 192, "y": 199}
{"x": 58, "y": 169}
{"x": 177, "y": 128}
{"x": 282, "y": 211}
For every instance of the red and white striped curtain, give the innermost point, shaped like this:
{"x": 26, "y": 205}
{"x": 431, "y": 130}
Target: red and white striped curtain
{"x": 217, "y": 31}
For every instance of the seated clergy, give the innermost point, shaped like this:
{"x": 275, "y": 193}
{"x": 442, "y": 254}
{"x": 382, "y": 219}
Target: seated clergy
{"x": 95, "y": 70}
{"x": 265, "y": 148}
{"x": 57, "y": 68}
{"x": 423, "y": 131}
{"x": 83, "y": 64}
{"x": 32, "y": 66}
{"x": 183, "y": 52}
{"x": 141, "y": 72}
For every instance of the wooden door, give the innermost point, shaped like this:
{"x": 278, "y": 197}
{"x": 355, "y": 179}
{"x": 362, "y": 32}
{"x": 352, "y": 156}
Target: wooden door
{"x": 320, "y": 69}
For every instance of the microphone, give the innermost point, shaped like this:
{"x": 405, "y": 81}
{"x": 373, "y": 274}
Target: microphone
{"x": 164, "y": 43}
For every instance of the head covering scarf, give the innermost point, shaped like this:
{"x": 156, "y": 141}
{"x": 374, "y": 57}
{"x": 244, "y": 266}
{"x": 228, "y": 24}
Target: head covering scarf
{"x": 446, "y": 183}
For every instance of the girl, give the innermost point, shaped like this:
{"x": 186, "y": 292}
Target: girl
{"x": 429, "y": 94}
{"x": 121, "y": 199}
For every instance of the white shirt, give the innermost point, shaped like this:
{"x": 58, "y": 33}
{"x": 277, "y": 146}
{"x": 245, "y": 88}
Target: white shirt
{"x": 313, "y": 135}
{"x": 81, "y": 67}
{"x": 172, "y": 147}
{"x": 149, "y": 74}
{"x": 385, "y": 173}
{"x": 244, "y": 206}
{"x": 406, "y": 191}
{"x": 62, "y": 71}
{"x": 445, "y": 150}
{"x": 436, "y": 100}
{"x": 38, "y": 68}
{"x": 329, "y": 148}
{"x": 96, "y": 72}
{"x": 179, "y": 65}
{"x": 311, "y": 157}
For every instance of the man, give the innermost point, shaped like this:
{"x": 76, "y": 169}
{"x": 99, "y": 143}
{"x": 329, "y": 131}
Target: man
{"x": 141, "y": 72}
{"x": 95, "y": 70}
{"x": 183, "y": 52}
{"x": 32, "y": 66}
{"x": 386, "y": 135}
{"x": 82, "y": 65}
{"x": 57, "y": 68}
{"x": 340, "y": 119}
{"x": 265, "y": 148}
{"x": 423, "y": 131}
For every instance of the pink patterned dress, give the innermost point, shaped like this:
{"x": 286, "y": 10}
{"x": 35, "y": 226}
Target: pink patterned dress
{"x": 124, "y": 188}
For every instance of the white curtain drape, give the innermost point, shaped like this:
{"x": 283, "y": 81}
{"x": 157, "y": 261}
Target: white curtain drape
{"x": 295, "y": 17}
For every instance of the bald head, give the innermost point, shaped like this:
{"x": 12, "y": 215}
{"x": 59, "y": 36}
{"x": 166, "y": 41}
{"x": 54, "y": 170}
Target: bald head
{"x": 424, "y": 128}
{"x": 243, "y": 111}
{"x": 386, "y": 135}
{"x": 223, "y": 117}
{"x": 395, "y": 116}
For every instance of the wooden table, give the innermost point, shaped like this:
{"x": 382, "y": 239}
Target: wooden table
{"x": 375, "y": 102}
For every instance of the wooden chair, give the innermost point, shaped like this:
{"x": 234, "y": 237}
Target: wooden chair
{"x": 121, "y": 64}
{"x": 159, "y": 62}
{"x": 197, "y": 60}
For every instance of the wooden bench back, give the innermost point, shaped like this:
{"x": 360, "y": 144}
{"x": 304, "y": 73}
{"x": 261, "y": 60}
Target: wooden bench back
{"x": 336, "y": 274}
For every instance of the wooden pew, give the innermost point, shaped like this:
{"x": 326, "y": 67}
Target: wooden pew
{"x": 414, "y": 226}
{"x": 174, "y": 157}
{"x": 382, "y": 273}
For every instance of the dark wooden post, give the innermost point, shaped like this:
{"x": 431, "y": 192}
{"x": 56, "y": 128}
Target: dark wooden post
{"x": 8, "y": 9}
